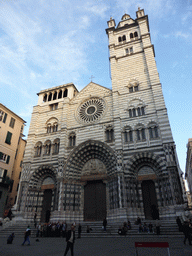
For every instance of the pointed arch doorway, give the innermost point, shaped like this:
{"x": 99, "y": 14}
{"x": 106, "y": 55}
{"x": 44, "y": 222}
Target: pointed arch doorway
{"x": 149, "y": 199}
{"x": 47, "y": 186}
{"x": 94, "y": 200}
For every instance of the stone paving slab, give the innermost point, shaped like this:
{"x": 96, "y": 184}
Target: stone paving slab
{"x": 122, "y": 246}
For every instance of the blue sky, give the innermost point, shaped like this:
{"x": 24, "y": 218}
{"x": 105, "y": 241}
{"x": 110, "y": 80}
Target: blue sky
{"x": 48, "y": 43}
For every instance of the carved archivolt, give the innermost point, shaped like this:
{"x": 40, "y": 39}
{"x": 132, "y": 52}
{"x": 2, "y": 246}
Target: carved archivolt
{"x": 78, "y": 160}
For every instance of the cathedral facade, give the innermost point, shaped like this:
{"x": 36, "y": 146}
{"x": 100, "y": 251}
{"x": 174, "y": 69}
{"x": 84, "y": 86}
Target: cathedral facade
{"x": 104, "y": 153}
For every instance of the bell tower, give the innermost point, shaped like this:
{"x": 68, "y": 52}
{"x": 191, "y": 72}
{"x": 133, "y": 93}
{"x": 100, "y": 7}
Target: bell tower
{"x": 132, "y": 55}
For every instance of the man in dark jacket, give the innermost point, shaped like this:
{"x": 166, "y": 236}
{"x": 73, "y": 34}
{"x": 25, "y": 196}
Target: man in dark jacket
{"x": 70, "y": 239}
{"x": 27, "y": 234}
{"x": 186, "y": 231}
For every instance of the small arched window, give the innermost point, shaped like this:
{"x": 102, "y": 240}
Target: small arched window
{"x": 48, "y": 128}
{"x": 60, "y": 94}
{"x": 109, "y": 134}
{"x": 124, "y": 38}
{"x": 153, "y": 131}
{"x": 135, "y": 34}
{"x": 38, "y": 149}
{"x": 56, "y": 144}
{"x": 140, "y": 132}
{"x": 119, "y": 39}
{"x": 55, "y": 96}
{"x": 65, "y": 93}
{"x": 128, "y": 134}
{"x": 47, "y": 148}
{"x": 72, "y": 140}
{"x": 45, "y": 98}
{"x": 55, "y": 127}
{"x": 50, "y": 97}
{"x": 131, "y": 35}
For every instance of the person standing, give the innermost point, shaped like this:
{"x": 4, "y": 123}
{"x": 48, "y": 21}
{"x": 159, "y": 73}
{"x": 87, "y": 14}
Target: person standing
{"x": 105, "y": 224}
{"x": 157, "y": 224}
{"x": 79, "y": 231}
{"x": 26, "y": 237}
{"x": 70, "y": 239}
{"x": 186, "y": 231}
{"x": 35, "y": 222}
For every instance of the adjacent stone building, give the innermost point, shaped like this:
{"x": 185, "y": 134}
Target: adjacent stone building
{"x": 104, "y": 153}
{"x": 188, "y": 171}
{"x": 12, "y": 146}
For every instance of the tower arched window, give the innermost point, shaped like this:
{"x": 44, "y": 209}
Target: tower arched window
{"x": 131, "y": 35}
{"x": 56, "y": 144}
{"x": 65, "y": 93}
{"x": 49, "y": 128}
{"x": 140, "y": 133}
{"x": 128, "y": 134}
{"x": 45, "y": 98}
{"x": 135, "y": 34}
{"x": 60, "y": 94}
{"x": 50, "y": 97}
{"x": 55, "y": 127}
{"x": 153, "y": 131}
{"x": 47, "y": 148}
{"x": 72, "y": 140}
{"x": 119, "y": 39}
{"x": 38, "y": 149}
{"x": 124, "y": 38}
{"x": 55, "y": 96}
{"x": 139, "y": 111}
{"x": 109, "y": 134}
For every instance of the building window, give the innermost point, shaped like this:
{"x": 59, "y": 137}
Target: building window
{"x": 50, "y": 97}
{"x": 8, "y": 138}
{"x": 55, "y": 96}
{"x": 55, "y": 127}
{"x": 56, "y": 146}
{"x": 128, "y": 135}
{"x": 65, "y": 93}
{"x": 54, "y": 106}
{"x": 134, "y": 35}
{"x": 140, "y": 134}
{"x": 153, "y": 132}
{"x": 129, "y": 50}
{"x": 38, "y": 149}
{"x": 3, "y": 116}
{"x": 4, "y": 158}
{"x": 47, "y": 148}
{"x": 109, "y": 134}
{"x": 12, "y": 122}
{"x": 19, "y": 175}
{"x": 15, "y": 199}
{"x": 17, "y": 186}
{"x": 133, "y": 112}
{"x": 72, "y": 140}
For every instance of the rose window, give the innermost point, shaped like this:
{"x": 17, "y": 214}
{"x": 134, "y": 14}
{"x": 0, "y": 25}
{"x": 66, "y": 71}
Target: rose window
{"x": 91, "y": 110}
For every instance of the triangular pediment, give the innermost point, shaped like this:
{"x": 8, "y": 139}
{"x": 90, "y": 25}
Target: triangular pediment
{"x": 92, "y": 90}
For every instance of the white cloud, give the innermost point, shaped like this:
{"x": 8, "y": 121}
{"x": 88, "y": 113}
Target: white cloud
{"x": 182, "y": 35}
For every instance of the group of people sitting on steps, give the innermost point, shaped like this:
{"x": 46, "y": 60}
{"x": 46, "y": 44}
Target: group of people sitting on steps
{"x": 122, "y": 231}
{"x": 143, "y": 227}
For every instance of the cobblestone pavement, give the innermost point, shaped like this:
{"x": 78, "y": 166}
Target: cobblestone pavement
{"x": 121, "y": 246}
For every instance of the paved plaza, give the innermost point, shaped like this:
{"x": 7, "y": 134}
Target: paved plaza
{"x": 121, "y": 246}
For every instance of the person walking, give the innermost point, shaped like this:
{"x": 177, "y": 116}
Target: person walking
{"x": 79, "y": 231}
{"x": 27, "y": 234}
{"x": 70, "y": 239}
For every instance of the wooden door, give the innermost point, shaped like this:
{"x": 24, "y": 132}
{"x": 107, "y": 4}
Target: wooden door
{"x": 46, "y": 206}
{"x": 149, "y": 198}
{"x": 94, "y": 201}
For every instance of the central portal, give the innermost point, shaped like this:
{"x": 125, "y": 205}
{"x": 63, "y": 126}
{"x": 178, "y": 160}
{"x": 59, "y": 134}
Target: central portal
{"x": 94, "y": 201}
